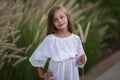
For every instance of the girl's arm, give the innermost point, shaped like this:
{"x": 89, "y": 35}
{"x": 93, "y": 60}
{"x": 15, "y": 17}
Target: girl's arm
{"x": 82, "y": 58}
{"x": 42, "y": 74}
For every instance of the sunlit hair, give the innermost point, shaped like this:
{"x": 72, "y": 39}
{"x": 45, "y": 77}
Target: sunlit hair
{"x": 50, "y": 27}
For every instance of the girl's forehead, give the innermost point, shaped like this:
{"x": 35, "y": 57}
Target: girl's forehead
{"x": 59, "y": 12}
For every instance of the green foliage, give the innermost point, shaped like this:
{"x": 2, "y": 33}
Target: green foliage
{"x": 104, "y": 28}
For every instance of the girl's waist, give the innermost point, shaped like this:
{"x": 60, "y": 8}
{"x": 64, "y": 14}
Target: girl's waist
{"x": 63, "y": 60}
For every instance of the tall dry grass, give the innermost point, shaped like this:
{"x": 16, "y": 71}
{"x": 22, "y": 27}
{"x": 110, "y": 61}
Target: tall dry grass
{"x": 9, "y": 33}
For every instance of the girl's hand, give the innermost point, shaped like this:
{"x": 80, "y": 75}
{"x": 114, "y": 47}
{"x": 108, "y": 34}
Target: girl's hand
{"x": 46, "y": 75}
{"x": 81, "y": 60}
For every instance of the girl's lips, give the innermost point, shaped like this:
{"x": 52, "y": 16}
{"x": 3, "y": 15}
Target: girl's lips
{"x": 61, "y": 24}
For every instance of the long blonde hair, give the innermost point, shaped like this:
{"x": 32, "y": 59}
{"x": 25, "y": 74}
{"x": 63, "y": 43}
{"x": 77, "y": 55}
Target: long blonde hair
{"x": 50, "y": 26}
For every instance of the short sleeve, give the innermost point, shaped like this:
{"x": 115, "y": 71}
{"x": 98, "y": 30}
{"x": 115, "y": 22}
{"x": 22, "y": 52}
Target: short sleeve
{"x": 41, "y": 54}
{"x": 81, "y": 51}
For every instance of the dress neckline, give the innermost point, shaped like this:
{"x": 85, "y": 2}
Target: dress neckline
{"x": 63, "y": 37}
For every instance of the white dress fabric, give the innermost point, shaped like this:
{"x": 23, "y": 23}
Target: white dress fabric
{"x": 63, "y": 53}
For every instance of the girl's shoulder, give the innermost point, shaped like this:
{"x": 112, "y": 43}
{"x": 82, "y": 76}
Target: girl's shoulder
{"x": 76, "y": 35}
{"x": 49, "y": 37}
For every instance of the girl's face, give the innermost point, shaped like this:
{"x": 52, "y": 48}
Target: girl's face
{"x": 60, "y": 20}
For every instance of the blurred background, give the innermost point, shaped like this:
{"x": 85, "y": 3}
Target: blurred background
{"x": 23, "y": 24}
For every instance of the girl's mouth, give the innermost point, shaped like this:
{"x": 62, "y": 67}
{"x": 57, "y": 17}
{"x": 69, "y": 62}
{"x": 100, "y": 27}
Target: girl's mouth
{"x": 61, "y": 24}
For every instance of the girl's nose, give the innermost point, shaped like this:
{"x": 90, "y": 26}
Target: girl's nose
{"x": 59, "y": 20}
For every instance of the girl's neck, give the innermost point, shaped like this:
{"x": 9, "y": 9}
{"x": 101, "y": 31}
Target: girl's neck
{"x": 62, "y": 33}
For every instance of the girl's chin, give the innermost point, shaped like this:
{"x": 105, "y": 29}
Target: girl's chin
{"x": 61, "y": 27}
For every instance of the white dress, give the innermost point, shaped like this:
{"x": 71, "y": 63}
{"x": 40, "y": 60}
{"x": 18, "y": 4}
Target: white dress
{"x": 63, "y": 53}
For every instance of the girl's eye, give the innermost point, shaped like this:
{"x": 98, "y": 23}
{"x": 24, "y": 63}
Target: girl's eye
{"x": 61, "y": 17}
{"x": 55, "y": 20}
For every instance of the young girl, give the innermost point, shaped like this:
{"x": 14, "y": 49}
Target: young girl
{"x": 62, "y": 46}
